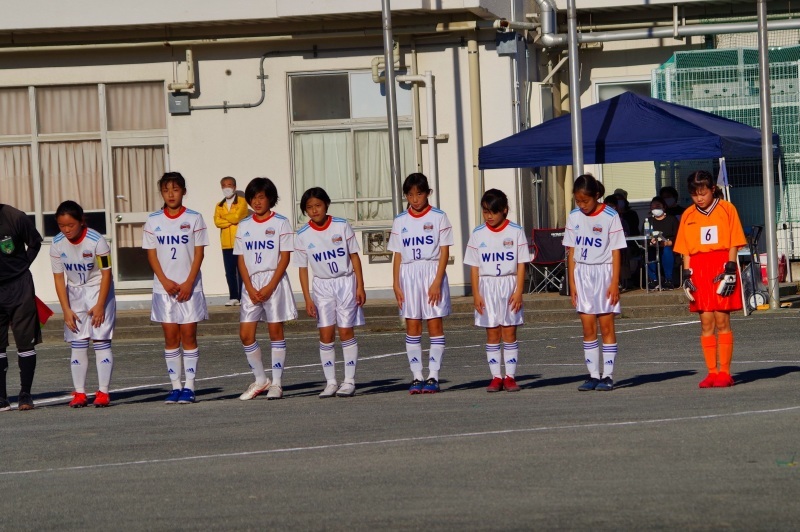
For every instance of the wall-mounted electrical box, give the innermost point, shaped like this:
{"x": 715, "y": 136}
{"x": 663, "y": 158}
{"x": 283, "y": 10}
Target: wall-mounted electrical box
{"x": 179, "y": 103}
{"x": 376, "y": 246}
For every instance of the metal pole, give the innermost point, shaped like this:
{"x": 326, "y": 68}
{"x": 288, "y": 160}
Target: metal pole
{"x": 476, "y": 121}
{"x": 574, "y": 91}
{"x": 766, "y": 157}
{"x": 517, "y": 117}
{"x": 391, "y": 108}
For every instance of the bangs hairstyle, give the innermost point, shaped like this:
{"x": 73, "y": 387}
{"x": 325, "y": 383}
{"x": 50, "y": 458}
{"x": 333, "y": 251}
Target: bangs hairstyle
{"x": 172, "y": 177}
{"x": 702, "y": 179}
{"x": 315, "y": 193}
{"x": 265, "y": 185}
{"x": 71, "y": 208}
{"x": 494, "y": 201}
{"x": 659, "y": 200}
{"x": 590, "y": 186}
{"x": 417, "y": 180}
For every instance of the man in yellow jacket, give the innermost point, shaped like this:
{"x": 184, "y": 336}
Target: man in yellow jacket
{"x": 227, "y": 215}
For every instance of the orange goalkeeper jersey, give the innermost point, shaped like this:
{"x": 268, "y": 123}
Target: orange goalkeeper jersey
{"x": 716, "y": 228}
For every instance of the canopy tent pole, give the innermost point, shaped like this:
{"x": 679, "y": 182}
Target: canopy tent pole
{"x": 575, "y": 92}
{"x": 766, "y": 157}
{"x": 722, "y": 179}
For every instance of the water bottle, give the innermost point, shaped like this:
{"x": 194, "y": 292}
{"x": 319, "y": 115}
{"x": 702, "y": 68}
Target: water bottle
{"x": 647, "y": 227}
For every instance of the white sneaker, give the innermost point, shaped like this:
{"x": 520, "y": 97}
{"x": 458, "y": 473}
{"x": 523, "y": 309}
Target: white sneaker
{"x": 347, "y": 389}
{"x": 329, "y": 391}
{"x": 232, "y": 303}
{"x": 254, "y": 390}
{"x": 274, "y": 392}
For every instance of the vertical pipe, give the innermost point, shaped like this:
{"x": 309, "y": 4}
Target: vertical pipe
{"x": 415, "y": 101}
{"x": 433, "y": 171}
{"x": 575, "y": 91}
{"x": 516, "y": 99}
{"x": 766, "y": 156}
{"x": 391, "y": 107}
{"x": 476, "y": 120}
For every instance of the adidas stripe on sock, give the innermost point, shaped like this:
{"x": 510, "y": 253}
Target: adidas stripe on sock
{"x": 510, "y": 356}
{"x": 435, "y": 357}
{"x": 173, "y": 360}
{"x": 493, "y": 357}
{"x": 190, "y": 359}
{"x": 278, "y": 361}
{"x": 253, "y": 354}
{"x": 414, "y": 352}
{"x": 104, "y": 360}
{"x": 327, "y": 356}
{"x": 350, "y": 354}
{"x": 79, "y": 364}
{"x": 609, "y": 356}
{"x": 591, "y": 353}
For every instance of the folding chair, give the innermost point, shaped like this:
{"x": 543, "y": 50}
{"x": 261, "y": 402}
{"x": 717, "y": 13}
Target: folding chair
{"x": 548, "y": 266}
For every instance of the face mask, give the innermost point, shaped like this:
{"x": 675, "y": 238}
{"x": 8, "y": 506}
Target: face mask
{"x": 228, "y": 192}
{"x": 657, "y": 212}
{"x": 670, "y": 202}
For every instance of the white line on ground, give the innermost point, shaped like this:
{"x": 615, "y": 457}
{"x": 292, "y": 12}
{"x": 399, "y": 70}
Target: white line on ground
{"x": 412, "y": 439}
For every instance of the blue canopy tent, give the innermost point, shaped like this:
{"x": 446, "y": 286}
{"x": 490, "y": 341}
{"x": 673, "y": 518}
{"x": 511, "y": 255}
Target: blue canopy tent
{"x": 628, "y": 128}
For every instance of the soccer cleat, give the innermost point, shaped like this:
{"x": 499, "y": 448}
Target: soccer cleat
{"x": 24, "y": 401}
{"x": 416, "y": 387}
{"x": 495, "y": 386}
{"x": 723, "y": 380}
{"x": 173, "y": 397}
{"x": 708, "y": 382}
{"x": 347, "y": 389}
{"x": 329, "y": 391}
{"x": 589, "y": 385}
{"x": 79, "y": 400}
{"x": 605, "y": 385}
{"x": 431, "y": 386}
{"x": 510, "y": 385}
{"x": 101, "y": 399}
{"x": 254, "y": 390}
{"x": 186, "y": 397}
{"x": 5, "y": 406}
{"x": 274, "y": 392}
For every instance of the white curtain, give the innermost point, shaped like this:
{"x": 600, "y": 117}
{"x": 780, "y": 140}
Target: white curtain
{"x": 71, "y": 170}
{"x": 135, "y": 106}
{"x": 69, "y": 109}
{"x": 373, "y": 171}
{"x": 136, "y": 174}
{"x": 16, "y": 180}
{"x": 15, "y": 116}
{"x": 323, "y": 159}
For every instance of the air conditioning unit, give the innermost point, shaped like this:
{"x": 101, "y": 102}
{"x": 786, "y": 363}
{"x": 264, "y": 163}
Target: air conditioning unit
{"x": 376, "y": 245}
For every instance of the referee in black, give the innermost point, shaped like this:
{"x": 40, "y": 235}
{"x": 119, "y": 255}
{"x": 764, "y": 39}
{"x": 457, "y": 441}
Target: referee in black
{"x": 19, "y": 244}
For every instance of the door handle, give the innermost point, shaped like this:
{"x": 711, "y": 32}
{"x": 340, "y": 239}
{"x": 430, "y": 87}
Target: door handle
{"x": 118, "y": 217}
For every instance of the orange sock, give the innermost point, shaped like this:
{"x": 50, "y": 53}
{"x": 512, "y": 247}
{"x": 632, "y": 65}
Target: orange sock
{"x": 725, "y": 351}
{"x": 709, "y": 344}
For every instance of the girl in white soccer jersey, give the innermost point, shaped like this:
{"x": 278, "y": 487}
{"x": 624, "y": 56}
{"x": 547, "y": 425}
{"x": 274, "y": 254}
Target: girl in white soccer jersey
{"x": 497, "y": 252}
{"x": 174, "y": 238}
{"x": 329, "y": 246}
{"x": 264, "y": 243}
{"x": 421, "y": 239}
{"x": 82, "y": 273}
{"x": 594, "y": 239}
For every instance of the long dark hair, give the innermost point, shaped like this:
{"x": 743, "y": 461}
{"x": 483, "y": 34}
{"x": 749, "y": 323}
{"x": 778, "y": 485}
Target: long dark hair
{"x": 590, "y": 186}
{"x": 316, "y": 193}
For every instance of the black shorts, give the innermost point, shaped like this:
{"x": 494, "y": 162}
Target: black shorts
{"x": 18, "y": 308}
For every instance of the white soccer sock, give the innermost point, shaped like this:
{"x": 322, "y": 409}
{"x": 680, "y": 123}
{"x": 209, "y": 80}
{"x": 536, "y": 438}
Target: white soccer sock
{"x": 328, "y": 358}
{"x": 510, "y": 356}
{"x": 350, "y": 353}
{"x": 104, "y": 361}
{"x": 435, "y": 357}
{"x": 190, "y": 359}
{"x": 414, "y": 352}
{"x": 79, "y": 363}
{"x": 278, "y": 361}
{"x": 609, "y": 356}
{"x": 253, "y": 354}
{"x": 173, "y": 359}
{"x": 591, "y": 352}
{"x": 493, "y": 357}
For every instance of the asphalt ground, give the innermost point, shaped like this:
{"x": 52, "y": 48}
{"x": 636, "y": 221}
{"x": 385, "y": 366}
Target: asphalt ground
{"x": 655, "y": 453}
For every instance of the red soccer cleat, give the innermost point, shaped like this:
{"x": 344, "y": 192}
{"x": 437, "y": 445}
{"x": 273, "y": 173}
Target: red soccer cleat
{"x": 708, "y": 382}
{"x": 723, "y": 380}
{"x": 78, "y": 400}
{"x": 510, "y": 385}
{"x": 101, "y": 399}
{"x": 495, "y": 386}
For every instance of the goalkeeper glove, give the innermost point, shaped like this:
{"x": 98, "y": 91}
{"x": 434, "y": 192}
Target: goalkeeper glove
{"x": 726, "y": 280}
{"x": 688, "y": 285}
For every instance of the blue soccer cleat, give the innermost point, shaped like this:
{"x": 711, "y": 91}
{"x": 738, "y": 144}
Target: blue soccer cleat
{"x": 589, "y": 385}
{"x": 431, "y": 386}
{"x": 186, "y": 397}
{"x": 173, "y": 397}
{"x": 416, "y": 387}
{"x": 605, "y": 385}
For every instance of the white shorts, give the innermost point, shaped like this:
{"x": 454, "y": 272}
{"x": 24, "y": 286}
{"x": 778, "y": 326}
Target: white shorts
{"x": 335, "y": 300}
{"x": 278, "y": 308}
{"x": 496, "y": 292}
{"x": 591, "y": 284}
{"x": 166, "y": 309}
{"x": 81, "y": 299}
{"x": 415, "y": 280}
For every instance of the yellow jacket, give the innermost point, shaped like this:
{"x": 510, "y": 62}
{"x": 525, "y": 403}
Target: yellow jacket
{"x": 228, "y": 220}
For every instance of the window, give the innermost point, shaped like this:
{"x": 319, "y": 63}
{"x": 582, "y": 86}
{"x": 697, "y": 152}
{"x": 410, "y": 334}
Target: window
{"x": 61, "y": 153}
{"x": 341, "y": 143}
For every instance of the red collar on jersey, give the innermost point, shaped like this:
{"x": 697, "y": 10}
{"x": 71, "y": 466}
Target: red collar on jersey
{"x": 181, "y": 211}
{"x": 320, "y": 227}
{"x": 425, "y": 211}
{"x": 80, "y": 238}
{"x": 598, "y": 211}
{"x": 256, "y": 220}
{"x": 499, "y": 227}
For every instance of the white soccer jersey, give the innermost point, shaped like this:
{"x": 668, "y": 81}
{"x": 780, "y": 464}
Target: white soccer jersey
{"x": 82, "y": 261}
{"x": 420, "y": 236}
{"x": 326, "y": 249}
{"x": 261, "y": 242}
{"x": 594, "y": 237}
{"x": 174, "y": 240}
{"x": 497, "y": 252}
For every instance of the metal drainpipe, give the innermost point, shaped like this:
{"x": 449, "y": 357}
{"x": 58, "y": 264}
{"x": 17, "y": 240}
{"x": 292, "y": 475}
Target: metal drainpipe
{"x": 574, "y": 92}
{"x": 225, "y": 106}
{"x": 391, "y": 108}
{"x": 417, "y": 120}
{"x": 433, "y": 166}
{"x": 517, "y": 116}
{"x": 476, "y": 121}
